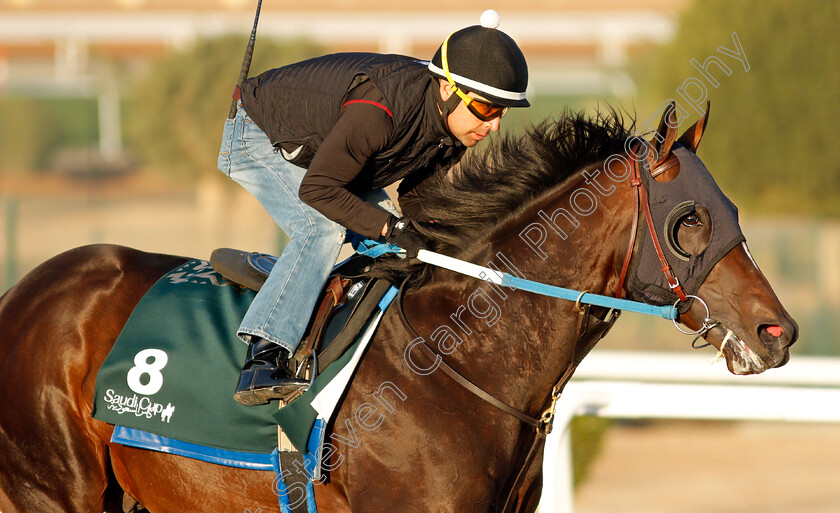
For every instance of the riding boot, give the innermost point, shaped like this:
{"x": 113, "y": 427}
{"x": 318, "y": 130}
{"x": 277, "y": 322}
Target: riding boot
{"x": 266, "y": 375}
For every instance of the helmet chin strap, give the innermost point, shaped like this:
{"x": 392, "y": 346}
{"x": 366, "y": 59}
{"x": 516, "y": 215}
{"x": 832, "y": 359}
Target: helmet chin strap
{"x": 446, "y": 107}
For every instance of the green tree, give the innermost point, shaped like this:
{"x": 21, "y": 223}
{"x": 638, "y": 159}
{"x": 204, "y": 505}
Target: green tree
{"x": 771, "y": 141}
{"x": 34, "y": 128}
{"x": 177, "y": 109}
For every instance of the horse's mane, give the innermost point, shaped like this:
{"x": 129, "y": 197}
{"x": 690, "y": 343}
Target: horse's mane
{"x": 489, "y": 187}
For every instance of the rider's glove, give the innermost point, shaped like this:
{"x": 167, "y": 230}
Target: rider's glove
{"x": 401, "y": 233}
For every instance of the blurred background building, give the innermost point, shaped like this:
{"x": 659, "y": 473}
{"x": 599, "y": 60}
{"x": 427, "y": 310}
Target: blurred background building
{"x": 59, "y": 49}
{"x": 69, "y": 74}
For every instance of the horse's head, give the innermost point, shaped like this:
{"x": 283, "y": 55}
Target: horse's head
{"x": 539, "y": 187}
{"x": 701, "y": 239}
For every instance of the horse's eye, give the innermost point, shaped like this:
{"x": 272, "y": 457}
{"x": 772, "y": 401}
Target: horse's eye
{"x": 692, "y": 221}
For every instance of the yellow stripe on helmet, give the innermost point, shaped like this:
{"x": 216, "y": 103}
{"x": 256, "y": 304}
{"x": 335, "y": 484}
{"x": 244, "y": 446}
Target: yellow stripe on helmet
{"x": 449, "y": 78}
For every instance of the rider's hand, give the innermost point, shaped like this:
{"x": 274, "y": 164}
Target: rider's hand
{"x": 401, "y": 233}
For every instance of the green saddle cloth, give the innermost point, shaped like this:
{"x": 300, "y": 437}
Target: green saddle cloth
{"x": 174, "y": 368}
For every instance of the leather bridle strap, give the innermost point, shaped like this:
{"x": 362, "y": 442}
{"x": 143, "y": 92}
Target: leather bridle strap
{"x": 641, "y": 198}
{"x": 477, "y": 391}
{"x": 673, "y": 282}
{"x": 635, "y": 182}
{"x": 542, "y": 425}
{"x": 534, "y": 422}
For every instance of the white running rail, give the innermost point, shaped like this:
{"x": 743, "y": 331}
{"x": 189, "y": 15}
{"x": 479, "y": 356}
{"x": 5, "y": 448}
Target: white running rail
{"x": 642, "y": 385}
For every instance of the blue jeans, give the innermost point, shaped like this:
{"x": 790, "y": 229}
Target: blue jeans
{"x": 280, "y": 311}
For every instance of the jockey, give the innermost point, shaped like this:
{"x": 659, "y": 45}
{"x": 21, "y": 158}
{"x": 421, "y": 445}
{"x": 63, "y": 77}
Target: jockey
{"x": 316, "y": 141}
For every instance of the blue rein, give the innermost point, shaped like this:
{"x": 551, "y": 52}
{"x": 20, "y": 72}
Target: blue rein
{"x": 376, "y": 249}
{"x": 666, "y": 312}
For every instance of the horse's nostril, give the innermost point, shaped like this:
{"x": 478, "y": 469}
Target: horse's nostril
{"x": 772, "y": 334}
{"x": 774, "y": 330}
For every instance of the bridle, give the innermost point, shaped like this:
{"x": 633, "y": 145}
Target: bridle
{"x": 589, "y": 326}
{"x": 640, "y": 198}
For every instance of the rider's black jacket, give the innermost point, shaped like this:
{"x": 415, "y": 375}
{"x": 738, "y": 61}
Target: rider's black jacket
{"x": 356, "y": 121}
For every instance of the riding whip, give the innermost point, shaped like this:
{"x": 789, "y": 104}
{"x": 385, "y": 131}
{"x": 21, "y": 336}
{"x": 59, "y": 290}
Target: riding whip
{"x": 246, "y": 62}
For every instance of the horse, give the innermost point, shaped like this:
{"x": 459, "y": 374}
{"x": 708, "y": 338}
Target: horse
{"x": 406, "y": 435}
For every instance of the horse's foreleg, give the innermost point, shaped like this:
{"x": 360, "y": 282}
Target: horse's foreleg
{"x": 531, "y": 497}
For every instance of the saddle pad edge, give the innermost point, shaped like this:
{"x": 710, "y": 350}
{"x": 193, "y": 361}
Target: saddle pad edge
{"x": 144, "y": 440}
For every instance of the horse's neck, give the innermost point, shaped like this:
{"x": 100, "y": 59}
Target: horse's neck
{"x": 575, "y": 239}
{"x": 517, "y": 344}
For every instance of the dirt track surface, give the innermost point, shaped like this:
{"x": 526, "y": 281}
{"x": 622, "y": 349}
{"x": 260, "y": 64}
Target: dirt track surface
{"x": 694, "y": 467}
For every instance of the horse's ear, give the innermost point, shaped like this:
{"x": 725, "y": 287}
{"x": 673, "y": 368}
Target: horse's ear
{"x": 691, "y": 138}
{"x": 666, "y": 134}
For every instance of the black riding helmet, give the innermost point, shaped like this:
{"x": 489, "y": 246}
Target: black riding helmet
{"x": 484, "y": 60}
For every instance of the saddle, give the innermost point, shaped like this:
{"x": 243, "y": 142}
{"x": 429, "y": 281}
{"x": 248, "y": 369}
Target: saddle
{"x": 346, "y": 303}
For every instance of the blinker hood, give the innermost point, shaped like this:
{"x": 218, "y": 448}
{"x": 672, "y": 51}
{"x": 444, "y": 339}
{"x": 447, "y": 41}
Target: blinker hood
{"x": 669, "y": 203}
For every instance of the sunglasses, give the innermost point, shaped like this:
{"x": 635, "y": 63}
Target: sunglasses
{"x": 484, "y": 111}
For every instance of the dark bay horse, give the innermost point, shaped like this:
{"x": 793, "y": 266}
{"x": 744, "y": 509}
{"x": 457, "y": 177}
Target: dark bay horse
{"x": 406, "y": 437}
